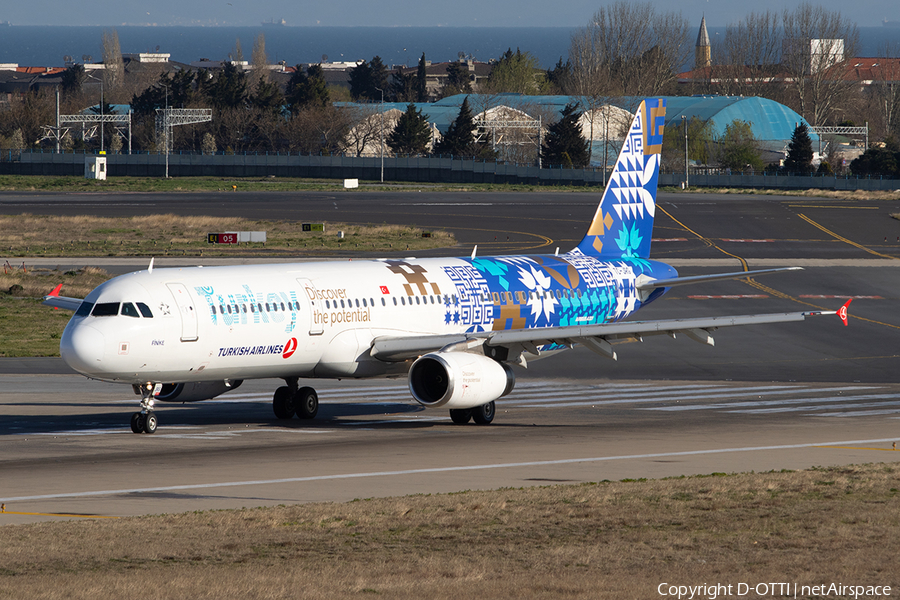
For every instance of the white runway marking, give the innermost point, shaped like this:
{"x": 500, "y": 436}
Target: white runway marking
{"x": 462, "y": 468}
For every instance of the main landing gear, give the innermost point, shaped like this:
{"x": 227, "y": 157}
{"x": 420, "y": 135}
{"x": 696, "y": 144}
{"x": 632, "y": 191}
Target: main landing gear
{"x": 482, "y": 415}
{"x": 291, "y": 399}
{"x": 145, "y": 420}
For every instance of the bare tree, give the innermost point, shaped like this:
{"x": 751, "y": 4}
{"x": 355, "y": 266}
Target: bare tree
{"x": 259, "y": 62}
{"x": 885, "y": 89}
{"x": 113, "y": 66}
{"x": 629, "y": 49}
{"x": 751, "y": 56}
{"x": 818, "y": 45}
{"x": 365, "y": 128}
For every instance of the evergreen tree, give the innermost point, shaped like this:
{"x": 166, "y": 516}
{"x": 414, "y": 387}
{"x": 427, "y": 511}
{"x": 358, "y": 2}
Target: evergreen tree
{"x": 738, "y": 147}
{"x": 422, "y": 81}
{"x": 559, "y": 76}
{"x": 878, "y": 161}
{"x": 360, "y": 81}
{"x": 305, "y": 89}
{"x": 517, "y": 73}
{"x": 411, "y": 134}
{"x": 800, "y": 153}
{"x": 378, "y": 79}
{"x": 564, "y": 144}
{"x": 267, "y": 96}
{"x": 72, "y": 78}
{"x": 459, "y": 140}
{"x": 227, "y": 88}
{"x": 404, "y": 87}
{"x": 457, "y": 79}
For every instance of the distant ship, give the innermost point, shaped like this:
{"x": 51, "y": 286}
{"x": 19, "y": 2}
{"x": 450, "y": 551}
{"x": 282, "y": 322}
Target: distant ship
{"x": 887, "y": 23}
{"x": 5, "y": 24}
{"x": 274, "y": 23}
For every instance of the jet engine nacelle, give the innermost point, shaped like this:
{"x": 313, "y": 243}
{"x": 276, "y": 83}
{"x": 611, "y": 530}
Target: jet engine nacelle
{"x": 459, "y": 380}
{"x": 192, "y": 392}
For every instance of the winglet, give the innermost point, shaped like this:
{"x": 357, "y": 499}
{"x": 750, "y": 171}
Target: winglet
{"x": 55, "y": 292}
{"x": 842, "y": 312}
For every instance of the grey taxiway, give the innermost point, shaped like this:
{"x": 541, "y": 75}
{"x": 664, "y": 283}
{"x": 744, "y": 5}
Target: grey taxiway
{"x": 767, "y": 397}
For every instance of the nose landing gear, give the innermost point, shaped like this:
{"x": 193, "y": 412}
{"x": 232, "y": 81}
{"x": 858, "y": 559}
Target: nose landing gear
{"x": 145, "y": 420}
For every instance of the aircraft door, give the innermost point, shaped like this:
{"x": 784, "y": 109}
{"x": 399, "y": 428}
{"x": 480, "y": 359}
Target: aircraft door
{"x": 187, "y": 311}
{"x": 315, "y": 306}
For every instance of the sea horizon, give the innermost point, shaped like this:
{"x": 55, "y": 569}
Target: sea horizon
{"x": 48, "y": 46}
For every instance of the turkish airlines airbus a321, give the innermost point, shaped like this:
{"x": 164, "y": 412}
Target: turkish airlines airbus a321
{"x": 454, "y": 326}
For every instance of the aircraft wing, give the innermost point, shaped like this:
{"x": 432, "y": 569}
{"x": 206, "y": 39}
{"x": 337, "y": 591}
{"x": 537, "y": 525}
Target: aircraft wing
{"x": 645, "y": 283}
{"x": 56, "y": 301}
{"x": 595, "y": 337}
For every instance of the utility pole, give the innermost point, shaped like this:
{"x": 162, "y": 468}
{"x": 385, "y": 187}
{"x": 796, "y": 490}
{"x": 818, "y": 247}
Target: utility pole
{"x": 684, "y": 121}
{"x": 382, "y": 133}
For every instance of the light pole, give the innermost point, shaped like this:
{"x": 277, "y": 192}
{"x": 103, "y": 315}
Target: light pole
{"x": 101, "y": 110}
{"x": 382, "y": 133}
{"x": 684, "y": 121}
{"x": 166, "y": 128}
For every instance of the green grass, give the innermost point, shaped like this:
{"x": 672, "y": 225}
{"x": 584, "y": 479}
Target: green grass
{"x": 248, "y": 184}
{"x": 27, "y": 328}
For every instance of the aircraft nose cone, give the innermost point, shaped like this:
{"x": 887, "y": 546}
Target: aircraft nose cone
{"x": 81, "y": 347}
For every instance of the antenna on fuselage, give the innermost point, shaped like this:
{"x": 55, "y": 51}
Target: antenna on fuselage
{"x": 150, "y": 268}
{"x": 474, "y": 250}
{"x": 557, "y": 251}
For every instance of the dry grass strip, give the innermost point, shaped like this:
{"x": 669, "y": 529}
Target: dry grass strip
{"x": 174, "y": 235}
{"x": 608, "y": 540}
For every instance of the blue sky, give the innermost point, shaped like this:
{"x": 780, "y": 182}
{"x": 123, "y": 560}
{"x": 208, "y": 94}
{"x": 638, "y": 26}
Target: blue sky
{"x": 489, "y": 13}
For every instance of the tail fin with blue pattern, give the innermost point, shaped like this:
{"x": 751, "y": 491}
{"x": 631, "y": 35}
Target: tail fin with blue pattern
{"x": 623, "y": 223}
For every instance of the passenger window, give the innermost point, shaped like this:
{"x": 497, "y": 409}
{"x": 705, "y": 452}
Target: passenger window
{"x": 417, "y": 300}
{"x": 106, "y": 309}
{"x": 383, "y": 303}
{"x": 128, "y": 310}
{"x": 145, "y": 310}
{"x": 328, "y": 304}
{"x": 282, "y": 306}
{"x": 496, "y": 297}
{"x": 357, "y": 303}
{"x": 364, "y": 302}
{"x": 253, "y": 308}
{"x": 402, "y": 300}
{"x": 267, "y": 307}
{"x": 84, "y": 310}
{"x": 342, "y": 303}
{"x": 372, "y": 301}
{"x": 395, "y": 301}
{"x": 229, "y": 309}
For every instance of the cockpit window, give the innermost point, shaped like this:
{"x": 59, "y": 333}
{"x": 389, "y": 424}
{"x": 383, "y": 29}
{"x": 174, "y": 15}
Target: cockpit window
{"x": 145, "y": 310}
{"x": 128, "y": 310}
{"x": 85, "y": 309}
{"x": 106, "y": 309}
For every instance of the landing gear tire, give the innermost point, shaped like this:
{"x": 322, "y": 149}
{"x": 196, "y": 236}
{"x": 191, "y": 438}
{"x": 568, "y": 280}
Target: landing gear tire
{"x": 460, "y": 416}
{"x": 137, "y": 423}
{"x": 484, "y": 414}
{"x": 306, "y": 402}
{"x": 283, "y": 403}
{"x": 150, "y": 422}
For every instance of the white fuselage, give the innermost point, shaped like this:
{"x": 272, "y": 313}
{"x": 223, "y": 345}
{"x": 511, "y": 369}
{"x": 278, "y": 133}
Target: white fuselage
{"x": 319, "y": 319}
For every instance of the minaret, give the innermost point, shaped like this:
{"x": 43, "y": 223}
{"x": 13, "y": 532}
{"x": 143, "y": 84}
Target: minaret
{"x": 702, "y": 52}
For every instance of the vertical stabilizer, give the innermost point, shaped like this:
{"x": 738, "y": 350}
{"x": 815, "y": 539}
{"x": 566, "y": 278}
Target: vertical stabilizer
{"x": 623, "y": 223}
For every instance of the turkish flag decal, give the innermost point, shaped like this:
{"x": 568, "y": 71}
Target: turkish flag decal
{"x": 289, "y": 348}
{"x": 384, "y": 290}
